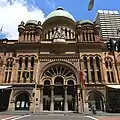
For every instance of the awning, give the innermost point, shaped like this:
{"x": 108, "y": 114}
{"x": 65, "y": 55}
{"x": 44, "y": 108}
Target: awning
{"x": 5, "y": 87}
{"x": 114, "y": 86}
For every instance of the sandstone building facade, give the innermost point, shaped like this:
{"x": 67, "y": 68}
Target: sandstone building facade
{"x": 41, "y": 70}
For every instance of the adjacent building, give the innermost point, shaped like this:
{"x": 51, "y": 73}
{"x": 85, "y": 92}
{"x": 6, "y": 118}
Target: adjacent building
{"x": 109, "y": 22}
{"x": 58, "y": 65}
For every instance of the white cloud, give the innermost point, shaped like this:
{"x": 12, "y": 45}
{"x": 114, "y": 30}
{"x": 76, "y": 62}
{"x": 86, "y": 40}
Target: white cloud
{"x": 51, "y": 3}
{"x": 12, "y": 12}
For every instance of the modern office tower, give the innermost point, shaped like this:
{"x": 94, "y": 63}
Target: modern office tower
{"x": 109, "y": 22}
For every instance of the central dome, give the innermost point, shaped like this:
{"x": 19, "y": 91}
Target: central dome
{"x": 60, "y": 12}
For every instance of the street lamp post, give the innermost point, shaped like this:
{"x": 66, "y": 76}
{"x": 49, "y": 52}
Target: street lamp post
{"x": 35, "y": 88}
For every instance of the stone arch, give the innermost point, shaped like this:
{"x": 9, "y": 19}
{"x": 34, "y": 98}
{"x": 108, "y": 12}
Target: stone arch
{"x": 20, "y": 92}
{"x": 64, "y": 63}
{"x": 108, "y": 58}
{"x": 47, "y": 79}
{"x": 71, "y": 80}
{"x": 97, "y": 55}
{"x": 59, "y": 76}
{"x": 22, "y": 101}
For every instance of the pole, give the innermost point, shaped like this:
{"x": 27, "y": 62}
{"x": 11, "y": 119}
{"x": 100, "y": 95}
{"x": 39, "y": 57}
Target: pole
{"x": 35, "y": 88}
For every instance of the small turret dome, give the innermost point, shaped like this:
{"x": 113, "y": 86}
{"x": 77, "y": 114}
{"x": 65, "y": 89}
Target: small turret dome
{"x": 84, "y": 22}
{"x": 33, "y": 22}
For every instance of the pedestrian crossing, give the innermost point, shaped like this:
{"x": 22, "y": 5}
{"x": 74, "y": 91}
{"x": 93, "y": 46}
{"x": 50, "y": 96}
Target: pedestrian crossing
{"x": 8, "y": 117}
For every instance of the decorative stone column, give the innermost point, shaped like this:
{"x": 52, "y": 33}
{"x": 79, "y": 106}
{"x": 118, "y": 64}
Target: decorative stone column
{"x": 65, "y": 100}
{"x": 11, "y": 106}
{"x": 95, "y": 71}
{"x": 89, "y": 72}
{"x": 52, "y": 99}
{"x": 75, "y": 104}
{"x": 41, "y": 99}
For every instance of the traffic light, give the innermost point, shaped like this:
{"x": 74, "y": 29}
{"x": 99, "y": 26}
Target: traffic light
{"x": 110, "y": 45}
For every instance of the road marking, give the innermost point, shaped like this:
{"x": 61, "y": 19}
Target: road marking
{"x": 92, "y": 117}
{"x": 9, "y": 118}
{"x": 20, "y": 117}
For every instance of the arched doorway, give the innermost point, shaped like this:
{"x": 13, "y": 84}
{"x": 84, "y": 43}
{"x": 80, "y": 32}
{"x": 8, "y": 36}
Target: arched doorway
{"x": 95, "y": 99}
{"x": 71, "y": 93}
{"x": 22, "y": 102}
{"x": 58, "y": 94}
{"x": 46, "y": 95}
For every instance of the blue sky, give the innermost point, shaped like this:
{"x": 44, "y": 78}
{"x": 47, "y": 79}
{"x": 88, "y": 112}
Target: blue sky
{"x": 78, "y": 8}
{"x": 12, "y": 12}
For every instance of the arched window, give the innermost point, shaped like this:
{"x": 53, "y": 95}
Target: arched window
{"x": 66, "y": 33}
{"x": 19, "y": 69}
{"x": 32, "y": 68}
{"x": 25, "y": 68}
{"x": 48, "y": 34}
{"x": 27, "y": 36}
{"x": 20, "y": 63}
{"x": 85, "y": 69}
{"x": 90, "y": 36}
{"x": 26, "y": 63}
{"x": 83, "y": 36}
{"x": 31, "y": 36}
{"x": 92, "y": 69}
{"x": 98, "y": 70}
{"x": 69, "y": 34}
{"x": 109, "y": 70}
{"x": 8, "y": 70}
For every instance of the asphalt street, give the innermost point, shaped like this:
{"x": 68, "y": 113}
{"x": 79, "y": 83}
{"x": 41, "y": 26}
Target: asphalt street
{"x": 57, "y": 117}
{"x": 54, "y": 116}
{"x": 46, "y": 117}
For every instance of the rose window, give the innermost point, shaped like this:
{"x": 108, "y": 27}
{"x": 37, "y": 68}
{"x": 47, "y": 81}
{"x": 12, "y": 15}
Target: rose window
{"x": 59, "y": 70}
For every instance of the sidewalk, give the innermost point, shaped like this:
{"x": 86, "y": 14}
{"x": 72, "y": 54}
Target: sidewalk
{"x": 100, "y": 113}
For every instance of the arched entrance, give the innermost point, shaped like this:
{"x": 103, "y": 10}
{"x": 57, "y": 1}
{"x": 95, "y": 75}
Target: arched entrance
{"x": 22, "y": 102}
{"x": 46, "y": 95}
{"x": 95, "y": 99}
{"x": 71, "y": 91}
{"x": 59, "y": 92}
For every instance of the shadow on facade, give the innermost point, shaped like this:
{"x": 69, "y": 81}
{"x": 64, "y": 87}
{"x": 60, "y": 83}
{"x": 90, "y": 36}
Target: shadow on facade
{"x": 113, "y": 100}
{"x": 4, "y": 99}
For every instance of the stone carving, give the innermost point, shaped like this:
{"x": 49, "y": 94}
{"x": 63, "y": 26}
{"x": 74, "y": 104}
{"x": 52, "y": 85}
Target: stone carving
{"x": 59, "y": 34}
